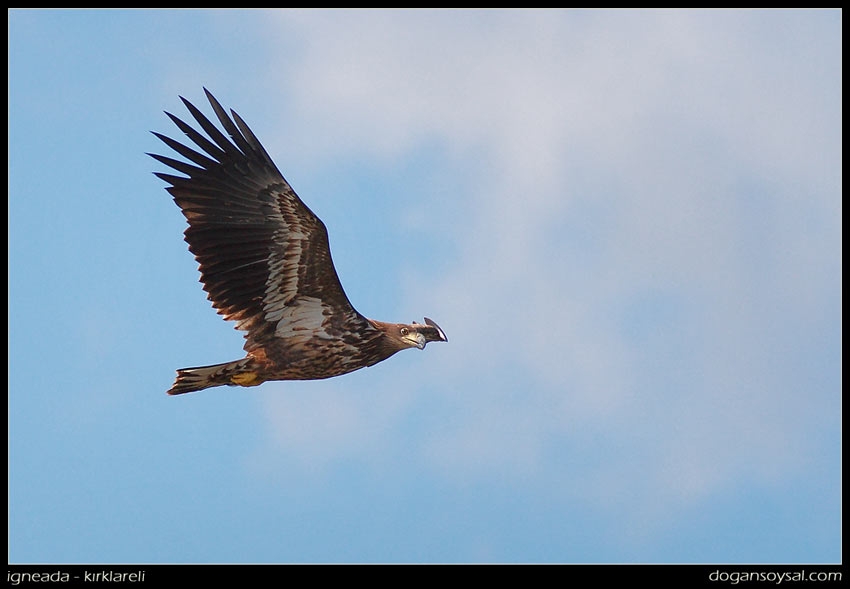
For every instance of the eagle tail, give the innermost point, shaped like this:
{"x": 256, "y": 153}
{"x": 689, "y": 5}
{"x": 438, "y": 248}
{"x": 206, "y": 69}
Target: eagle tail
{"x": 238, "y": 373}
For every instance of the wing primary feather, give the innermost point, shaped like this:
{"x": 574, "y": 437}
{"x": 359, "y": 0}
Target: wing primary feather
{"x": 170, "y": 178}
{"x": 228, "y": 125}
{"x": 185, "y": 151}
{"x": 211, "y": 130}
{"x": 177, "y": 164}
{"x": 213, "y": 150}
{"x": 254, "y": 142}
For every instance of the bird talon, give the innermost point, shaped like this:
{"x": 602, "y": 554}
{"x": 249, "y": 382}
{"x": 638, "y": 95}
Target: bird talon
{"x": 246, "y": 379}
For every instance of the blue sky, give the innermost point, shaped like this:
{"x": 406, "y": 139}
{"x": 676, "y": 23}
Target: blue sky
{"x": 627, "y": 223}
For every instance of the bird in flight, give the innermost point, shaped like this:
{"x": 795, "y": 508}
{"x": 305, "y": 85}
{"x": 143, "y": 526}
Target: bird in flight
{"x": 265, "y": 263}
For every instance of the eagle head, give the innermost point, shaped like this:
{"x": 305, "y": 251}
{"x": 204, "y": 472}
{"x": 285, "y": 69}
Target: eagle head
{"x": 414, "y": 335}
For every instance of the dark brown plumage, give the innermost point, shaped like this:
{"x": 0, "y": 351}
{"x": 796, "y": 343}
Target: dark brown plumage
{"x": 265, "y": 263}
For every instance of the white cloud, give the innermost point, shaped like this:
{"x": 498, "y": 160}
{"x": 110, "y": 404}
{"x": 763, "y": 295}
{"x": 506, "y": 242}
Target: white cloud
{"x": 651, "y": 192}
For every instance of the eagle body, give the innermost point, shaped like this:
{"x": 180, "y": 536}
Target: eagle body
{"x": 266, "y": 265}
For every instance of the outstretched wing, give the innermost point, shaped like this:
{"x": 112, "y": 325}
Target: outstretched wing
{"x": 264, "y": 256}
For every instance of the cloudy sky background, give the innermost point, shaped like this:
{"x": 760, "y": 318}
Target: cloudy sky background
{"x": 628, "y": 224}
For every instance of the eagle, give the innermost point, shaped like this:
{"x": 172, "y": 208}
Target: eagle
{"x": 265, "y": 263}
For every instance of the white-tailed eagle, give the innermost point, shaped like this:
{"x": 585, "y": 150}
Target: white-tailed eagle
{"x": 266, "y": 264}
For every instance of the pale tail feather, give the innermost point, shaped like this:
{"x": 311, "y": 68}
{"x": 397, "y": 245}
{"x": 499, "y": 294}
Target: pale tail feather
{"x": 204, "y": 377}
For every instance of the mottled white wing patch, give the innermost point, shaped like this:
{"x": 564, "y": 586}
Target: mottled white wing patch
{"x": 284, "y": 304}
{"x": 302, "y": 316}
{"x": 283, "y": 285}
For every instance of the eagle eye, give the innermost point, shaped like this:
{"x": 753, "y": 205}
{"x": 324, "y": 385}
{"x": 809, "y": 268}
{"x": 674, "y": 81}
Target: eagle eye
{"x": 404, "y": 331}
